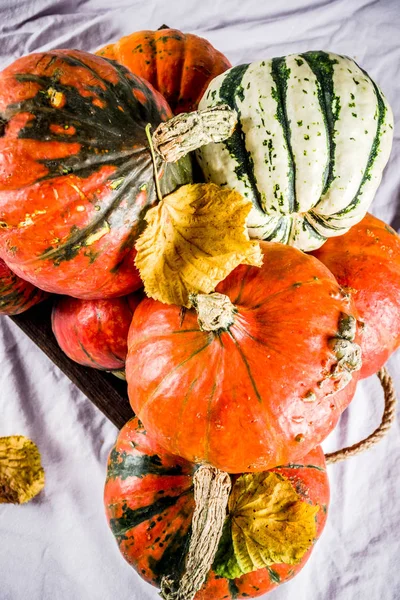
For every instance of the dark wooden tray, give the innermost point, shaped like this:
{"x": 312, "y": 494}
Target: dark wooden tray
{"x": 105, "y": 390}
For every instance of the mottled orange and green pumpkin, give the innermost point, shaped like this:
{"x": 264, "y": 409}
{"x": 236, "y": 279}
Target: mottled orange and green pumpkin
{"x": 16, "y": 295}
{"x": 258, "y": 393}
{"x": 94, "y": 333}
{"x": 366, "y": 263}
{"x": 179, "y": 65}
{"x": 149, "y": 505}
{"x": 76, "y": 174}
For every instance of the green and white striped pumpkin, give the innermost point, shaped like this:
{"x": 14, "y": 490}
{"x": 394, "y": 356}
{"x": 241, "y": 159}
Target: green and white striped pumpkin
{"x": 313, "y": 137}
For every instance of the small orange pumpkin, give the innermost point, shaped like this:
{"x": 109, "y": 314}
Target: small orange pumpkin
{"x": 16, "y": 294}
{"x": 179, "y": 65}
{"x": 366, "y": 263}
{"x": 94, "y": 333}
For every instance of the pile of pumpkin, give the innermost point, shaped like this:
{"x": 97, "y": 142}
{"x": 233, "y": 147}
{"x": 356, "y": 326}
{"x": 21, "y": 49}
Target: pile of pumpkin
{"x": 240, "y": 355}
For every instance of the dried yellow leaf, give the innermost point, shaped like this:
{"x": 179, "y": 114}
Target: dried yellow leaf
{"x": 268, "y": 523}
{"x": 21, "y": 472}
{"x": 194, "y": 238}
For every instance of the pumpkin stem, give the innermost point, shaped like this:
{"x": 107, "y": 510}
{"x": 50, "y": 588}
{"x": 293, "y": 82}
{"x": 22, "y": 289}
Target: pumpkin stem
{"x": 211, "y": 493}
{"x": 215, "y": 311}
{"x": 186, "y": 132}
{"x": 153, "y": 158}
{"x": 346, "y": 351}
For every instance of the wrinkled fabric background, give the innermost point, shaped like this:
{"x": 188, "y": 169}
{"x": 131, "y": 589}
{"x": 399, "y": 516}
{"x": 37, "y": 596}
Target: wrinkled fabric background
{"x": 58, "y": 547}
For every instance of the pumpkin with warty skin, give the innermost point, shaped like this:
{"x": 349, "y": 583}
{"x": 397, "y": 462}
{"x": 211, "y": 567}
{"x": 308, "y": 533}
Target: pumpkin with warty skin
{"x": 149, "y": 505}
{"x": 17, "y": 295}
{"x": 313, "y": 137}
{"x": 76, "y": 174}
{"x": 178, "y": 65}
{"x": 366, "y": 263}
{"x": 94, "y": 333}
{"x": 258, "y": 392}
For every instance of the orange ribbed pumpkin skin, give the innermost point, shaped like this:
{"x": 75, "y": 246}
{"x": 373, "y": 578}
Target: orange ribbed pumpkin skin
{"x": 149, "y": 504}
{"x": 240, "y": 399}
{"x": 180, "y": 66}
{"x": 366, "y": 262}
{"x": 76, "y": 172}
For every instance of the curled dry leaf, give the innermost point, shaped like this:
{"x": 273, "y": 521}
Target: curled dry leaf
{"x": 21, "y": 472}
{"x": 194, "y": 238}
{"x": 267, "y": 523}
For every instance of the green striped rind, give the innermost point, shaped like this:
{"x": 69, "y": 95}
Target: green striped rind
{"x": 309, "y": 138}
{"x": 122, "y": 465}
{"x": 377, "y": 159}
{"x": 348, "y": 198}
{"x": 172, "y": 561}
{"x": 280, "y": 74}
{"x": 234, "y": 148}
{"x": 136, "y": 506}
{"x": 314, "y": 136}
{"x": 322, "y": 66}
{"x": 381, "y": 111}
{"x": 131, "y": 518}
{"x": 231, "y": 91}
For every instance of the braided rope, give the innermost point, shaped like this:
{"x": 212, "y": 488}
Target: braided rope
{"x": 380, "y": 432}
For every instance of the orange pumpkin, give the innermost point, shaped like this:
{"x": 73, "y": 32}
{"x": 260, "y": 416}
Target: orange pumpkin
{"x": 16, "y": 294}
{"x": 149, "y": 504}
{"x": 179, "y": 65}
{"x": 258, "y": 391}
{"x": 94, "y": 333}
{"x": 366, "y": 263}
{"x": 76, "y": 173}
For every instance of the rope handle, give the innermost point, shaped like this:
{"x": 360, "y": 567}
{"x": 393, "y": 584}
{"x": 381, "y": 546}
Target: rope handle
{"x": 380, "y": 432}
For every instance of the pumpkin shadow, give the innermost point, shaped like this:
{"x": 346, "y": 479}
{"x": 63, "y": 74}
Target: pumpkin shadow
{"x": 40, "y": 499}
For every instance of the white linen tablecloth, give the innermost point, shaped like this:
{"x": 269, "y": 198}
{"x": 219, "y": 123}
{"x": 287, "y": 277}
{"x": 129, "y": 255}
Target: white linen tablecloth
{"x": 58, "y": 547}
